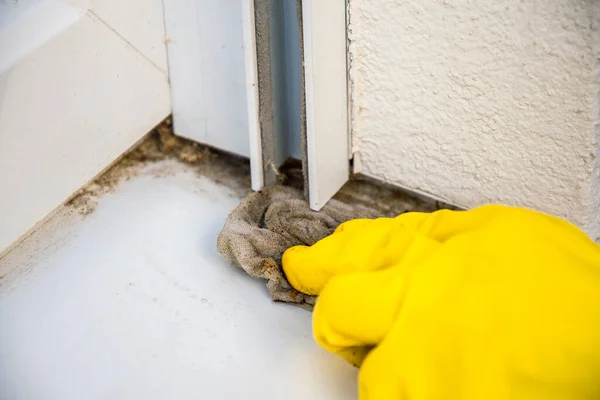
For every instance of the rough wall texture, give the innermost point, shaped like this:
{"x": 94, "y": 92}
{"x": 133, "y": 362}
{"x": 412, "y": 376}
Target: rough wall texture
{"x": 479, "y": 102}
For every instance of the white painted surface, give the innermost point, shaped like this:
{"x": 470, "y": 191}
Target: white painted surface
{"x": 207, "y": 73}
{"x": 325, "y": 71}
{"x": 17, "y": 34}
{"x": 252, "y": 105}
{"x": 70, "y": 104}
{"x": 134, "y": 302}
{"x": 140, "y": 23}
{"x": 481, "y": 102}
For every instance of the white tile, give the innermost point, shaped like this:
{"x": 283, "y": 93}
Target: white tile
{"x": 134, "y": 302}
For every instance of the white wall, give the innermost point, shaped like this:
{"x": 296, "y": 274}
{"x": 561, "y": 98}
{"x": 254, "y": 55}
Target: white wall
{"x": 80, "y": 83}
{"x": 479, "y": 102}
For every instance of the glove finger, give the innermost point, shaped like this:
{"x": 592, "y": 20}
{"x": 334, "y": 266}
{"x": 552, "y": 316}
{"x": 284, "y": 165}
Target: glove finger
{"x": 355, "y": 312}
{"x": 445, "y": 224}
{"x": 377, "y": 380}
{"x": 357, "y": 246}
{"x": 353, "y": 225}
{"x": 369, "y": 245}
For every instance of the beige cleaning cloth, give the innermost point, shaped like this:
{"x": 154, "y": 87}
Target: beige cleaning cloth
{"x": 268, "y": 222}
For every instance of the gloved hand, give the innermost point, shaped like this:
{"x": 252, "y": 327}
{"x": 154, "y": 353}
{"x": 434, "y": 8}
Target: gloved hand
{"x": 491, "y": 303}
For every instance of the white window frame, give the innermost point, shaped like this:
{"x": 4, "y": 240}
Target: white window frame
{"x": 326, "y": 97}
{"x": 326, "y": 88}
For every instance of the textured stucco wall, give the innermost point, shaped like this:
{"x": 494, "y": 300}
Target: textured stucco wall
{"x": 478, "y": 102}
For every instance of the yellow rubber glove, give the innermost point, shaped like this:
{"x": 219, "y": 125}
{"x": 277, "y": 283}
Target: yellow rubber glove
{"x": 491, "y": 303}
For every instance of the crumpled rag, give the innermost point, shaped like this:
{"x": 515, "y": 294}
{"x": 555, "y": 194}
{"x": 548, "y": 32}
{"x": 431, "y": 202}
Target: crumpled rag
{"x": 268, "y": 222}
